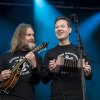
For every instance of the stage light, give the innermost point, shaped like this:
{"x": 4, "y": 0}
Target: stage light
{"x": 88, "y": 27}
{"x": 44, "y": 16}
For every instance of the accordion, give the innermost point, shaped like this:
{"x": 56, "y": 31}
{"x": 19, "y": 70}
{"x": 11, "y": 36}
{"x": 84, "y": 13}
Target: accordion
{"x": 69, "y": 65}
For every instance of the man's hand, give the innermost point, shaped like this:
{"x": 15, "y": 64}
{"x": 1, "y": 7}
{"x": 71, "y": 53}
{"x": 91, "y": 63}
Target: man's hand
{"x": 54, "y": 65}
{"x": 5, "y": 74}
{"x": 86, "y": 68}
{"x": 31, "y": 57}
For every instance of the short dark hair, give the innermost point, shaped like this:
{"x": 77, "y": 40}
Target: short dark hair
{"x": 63, "y": 18}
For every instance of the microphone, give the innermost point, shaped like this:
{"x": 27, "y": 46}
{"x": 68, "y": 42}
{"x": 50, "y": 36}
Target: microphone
{"x": 74, "y": 18}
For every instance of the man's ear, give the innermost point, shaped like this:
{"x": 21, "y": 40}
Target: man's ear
{"x": 70, "y": 30}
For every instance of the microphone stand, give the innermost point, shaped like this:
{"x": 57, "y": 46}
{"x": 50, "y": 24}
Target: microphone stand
{"x": 80, "y": 54}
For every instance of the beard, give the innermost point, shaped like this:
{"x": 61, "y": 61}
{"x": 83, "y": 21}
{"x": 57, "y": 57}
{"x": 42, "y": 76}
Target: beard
{"x": 29, "y": 46}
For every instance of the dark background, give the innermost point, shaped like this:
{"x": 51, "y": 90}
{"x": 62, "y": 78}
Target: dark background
{"x": 14, "y": 12}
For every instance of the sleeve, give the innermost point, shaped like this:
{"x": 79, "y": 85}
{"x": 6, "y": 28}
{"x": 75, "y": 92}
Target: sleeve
{"x": 89, "y": 77}
{"x": 46, "y": 74}
{"x": 2, "y": 63}
{"x": 36, "y": 73}
{"x": 2, "y": 67}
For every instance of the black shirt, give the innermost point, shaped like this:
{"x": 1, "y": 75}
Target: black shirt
{"x": 25, "y": 86}
{"x": 64, "y": 84}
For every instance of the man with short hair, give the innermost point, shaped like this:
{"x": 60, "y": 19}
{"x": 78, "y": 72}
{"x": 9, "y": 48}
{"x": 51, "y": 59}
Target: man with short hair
{"x": 60, "y": 65}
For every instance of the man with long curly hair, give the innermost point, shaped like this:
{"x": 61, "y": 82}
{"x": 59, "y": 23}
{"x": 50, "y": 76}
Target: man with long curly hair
{"x": 28, "y": 73}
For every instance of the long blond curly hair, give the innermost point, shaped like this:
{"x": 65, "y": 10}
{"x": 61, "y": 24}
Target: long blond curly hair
{"x": 18, "y": 37}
